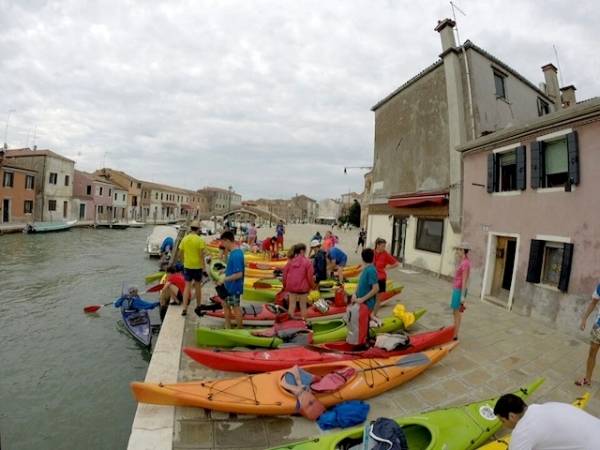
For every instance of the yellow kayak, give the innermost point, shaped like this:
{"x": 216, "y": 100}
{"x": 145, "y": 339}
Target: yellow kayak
{"x": 502, "y": 444}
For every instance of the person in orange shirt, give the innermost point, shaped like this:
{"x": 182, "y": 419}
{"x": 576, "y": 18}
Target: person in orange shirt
{"x": 382, "y": 261}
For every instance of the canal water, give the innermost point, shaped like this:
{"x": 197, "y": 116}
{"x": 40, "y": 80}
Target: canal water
{"x": 64, "y": 375}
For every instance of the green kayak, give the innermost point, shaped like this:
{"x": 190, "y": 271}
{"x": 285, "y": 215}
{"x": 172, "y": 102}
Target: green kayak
{"x": 156, "y": 276}
{"x": 323, "y": 332}
{"x": 459, "y": 428}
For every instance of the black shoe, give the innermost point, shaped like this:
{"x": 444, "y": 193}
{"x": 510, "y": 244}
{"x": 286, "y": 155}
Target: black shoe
{"x": 184, "y": 312}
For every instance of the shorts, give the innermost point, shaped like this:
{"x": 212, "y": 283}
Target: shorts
{"x": 595, "y": 334}
{"x": 382, "y": 285}
{"x": 371, "y": 303}
{"x": 232, "y": 300}
{"x": 280, "y": 239}
{"x": 193, "y": 275}
{"x": 456, "y": 298}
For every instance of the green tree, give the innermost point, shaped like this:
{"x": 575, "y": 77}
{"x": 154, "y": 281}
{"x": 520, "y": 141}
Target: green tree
{"x": 354, "y": 214}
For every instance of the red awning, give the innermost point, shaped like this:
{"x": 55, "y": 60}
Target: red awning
{"x": 421, "y": 199}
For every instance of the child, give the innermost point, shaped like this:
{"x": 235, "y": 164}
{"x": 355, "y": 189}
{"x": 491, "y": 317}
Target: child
{"x": 368, "y": 286}
{"x": 298, "y": 279}
{"x": 233, "y": 280}
{"x": 319, "y": 261}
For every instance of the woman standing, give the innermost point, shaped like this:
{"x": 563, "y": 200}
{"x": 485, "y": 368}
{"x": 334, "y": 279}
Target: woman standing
{"x": 382, "y": 261}
{"x": 252, "y": 234}
{"x": 459, "y": 287}
{"x": 298, "y": 279}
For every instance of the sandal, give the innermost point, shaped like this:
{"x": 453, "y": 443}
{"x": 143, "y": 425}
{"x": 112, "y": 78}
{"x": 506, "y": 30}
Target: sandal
{"x": 583, "y": 382}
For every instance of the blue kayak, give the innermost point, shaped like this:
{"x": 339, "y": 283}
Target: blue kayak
{"x": 137, "y": 323}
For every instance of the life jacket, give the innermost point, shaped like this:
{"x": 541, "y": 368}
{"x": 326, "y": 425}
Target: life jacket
{"x": 357, "y": 320}
{"x": 297, "y": 381}
{"x": 340, "y": 297}
{"x": 390, "y": 342}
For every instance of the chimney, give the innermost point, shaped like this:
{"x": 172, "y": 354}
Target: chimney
{"x": 1, "y": 157}
{"x": 551, "y": 78}
{"x": 446, "y": 29}
{"x": 568, "y": 96}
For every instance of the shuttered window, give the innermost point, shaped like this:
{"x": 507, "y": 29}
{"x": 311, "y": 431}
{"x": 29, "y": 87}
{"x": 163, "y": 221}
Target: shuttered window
{"x": 506, "y": 171}
{"x": 550, "y": 263}
{"x": 555, "y": 163}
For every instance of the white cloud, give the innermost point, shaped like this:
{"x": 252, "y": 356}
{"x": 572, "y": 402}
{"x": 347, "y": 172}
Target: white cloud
{"x": 271, "y": 97}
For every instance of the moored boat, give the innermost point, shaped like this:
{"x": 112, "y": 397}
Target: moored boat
{"x": 156, "y": 238}
{"x": 48, "y": 227}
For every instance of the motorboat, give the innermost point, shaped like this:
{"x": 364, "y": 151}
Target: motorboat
{"x": 158, "y": 235}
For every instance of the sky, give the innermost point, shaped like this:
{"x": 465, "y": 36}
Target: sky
{"x": 271, "y": 97}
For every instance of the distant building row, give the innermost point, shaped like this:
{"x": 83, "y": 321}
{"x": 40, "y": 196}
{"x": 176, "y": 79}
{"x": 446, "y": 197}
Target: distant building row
{"x": 43, "y": 186}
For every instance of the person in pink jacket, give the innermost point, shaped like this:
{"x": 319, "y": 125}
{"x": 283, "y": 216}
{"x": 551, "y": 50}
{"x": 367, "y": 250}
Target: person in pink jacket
{"x": 298, "y": 279}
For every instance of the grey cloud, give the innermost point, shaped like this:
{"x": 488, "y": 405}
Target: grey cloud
{"x": 271, "y": 97}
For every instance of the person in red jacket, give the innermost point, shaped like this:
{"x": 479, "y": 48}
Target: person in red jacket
{"x": 382, "y": 261}
{"x": 172, "y": 291}
{"x": 298, "y": 279}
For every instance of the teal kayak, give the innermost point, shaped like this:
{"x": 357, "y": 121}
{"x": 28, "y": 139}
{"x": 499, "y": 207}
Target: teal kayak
{"x": 458, "y": 428}
{"x": 323, "y": 332}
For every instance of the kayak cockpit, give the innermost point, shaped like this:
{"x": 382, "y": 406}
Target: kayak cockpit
{"x": 418, "y": 436}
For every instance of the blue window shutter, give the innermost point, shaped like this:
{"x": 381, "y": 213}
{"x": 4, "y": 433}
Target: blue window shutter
{"x": 573, "y": 154}
{"x": 521, "y": 168}
{"x": 492, "y": 174}
{"x": 536, "y": 259}
{"x": 537, "y": 164}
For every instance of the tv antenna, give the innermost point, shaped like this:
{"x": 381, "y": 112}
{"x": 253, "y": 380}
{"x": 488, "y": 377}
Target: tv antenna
{"x": 455, "y": 8}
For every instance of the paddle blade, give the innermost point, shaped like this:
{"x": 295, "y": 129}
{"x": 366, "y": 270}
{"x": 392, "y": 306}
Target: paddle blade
{"x": 156, "y": 288}
{"x": 416, "y": 359}
{"x": 91, "y": 308}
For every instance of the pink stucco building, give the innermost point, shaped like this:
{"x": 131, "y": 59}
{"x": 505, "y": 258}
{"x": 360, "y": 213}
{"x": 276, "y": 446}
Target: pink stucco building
{"x": 93, "y": 197}
{"x": 532, "y": 213}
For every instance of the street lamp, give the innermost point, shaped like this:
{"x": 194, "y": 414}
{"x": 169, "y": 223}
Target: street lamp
{"x": 6, "y": 128}
{"x": 356, "y": 167}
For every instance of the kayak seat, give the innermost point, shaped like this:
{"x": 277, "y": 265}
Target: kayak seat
{"x": 297, "y": 382}
{"x": 251, "y": 310}
{"x": 275, "y": 329}
{"x": 138, "y": 320}
{"x": 295, "y": 336}
{"x": 333, "y": 381}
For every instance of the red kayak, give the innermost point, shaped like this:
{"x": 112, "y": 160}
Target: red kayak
{"x": 283, "y": 358}
{"x": 267, "y": 314}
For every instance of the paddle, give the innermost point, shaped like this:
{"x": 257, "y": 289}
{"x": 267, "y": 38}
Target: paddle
{"x": 94, "y": 308}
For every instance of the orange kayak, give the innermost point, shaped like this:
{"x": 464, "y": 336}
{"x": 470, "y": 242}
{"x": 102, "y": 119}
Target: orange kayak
{"x": 263, "y": 394}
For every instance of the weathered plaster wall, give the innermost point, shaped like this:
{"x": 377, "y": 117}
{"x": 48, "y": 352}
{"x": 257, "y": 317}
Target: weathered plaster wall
{"x": 573, "y": 215}
{"x": 411, "y": 137}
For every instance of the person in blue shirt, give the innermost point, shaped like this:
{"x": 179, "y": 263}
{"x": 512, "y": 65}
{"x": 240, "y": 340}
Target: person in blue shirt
{"x": 368, "y": 285}
{"x": 134, "y": 301}
{"x": 336, "y": 261}
{"x": 167, "y": 245}
{"x": 233, "y": 280}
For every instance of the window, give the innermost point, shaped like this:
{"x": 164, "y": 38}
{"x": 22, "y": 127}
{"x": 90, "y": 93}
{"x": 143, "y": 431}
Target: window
{"x": 110, "y": 192}
{"x": 430, "y": 234}
{"x": 28, "y": 207}
{"x": 555, "y": 162}
{"x": 507, "y": 165}
{"x": 29, "y": 182}
{"x": 161, "y": 196}
{"x": 53, "y": 178}
{"x": 8, "y": 179}
{"x": 543, "y": 107}
{"x": 51, "y": 205}
{"x": 139, "y": 185}
{"x": 100, "y": 209}
{"x": 131, "y": 184}
{"x": 134, "y": 200}
{"x": 115, "y": 196}
{"x": 156, "y": 196}
{"x": 499, "y": 84}
{"x": 123, "y": 197}
{"x": 550, "y": 263}
{"x": 506, "y": 170}
{"x": 101, "y": 189}
{"x": 88, "y": 189}
{"x": 67, "y": 180}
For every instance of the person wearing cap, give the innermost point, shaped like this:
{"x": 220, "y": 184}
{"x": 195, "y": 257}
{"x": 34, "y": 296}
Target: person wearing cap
{"x": 459, "y": 285}
{"x": 319, "y": 261}
{"x": 547, "y": 426}
{"x": 594, "y": 338}
{"x": 192, "y": 249}
{"x": 382, "y": 261}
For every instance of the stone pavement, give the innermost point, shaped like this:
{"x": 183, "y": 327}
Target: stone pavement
{"x": 498, "y": 352}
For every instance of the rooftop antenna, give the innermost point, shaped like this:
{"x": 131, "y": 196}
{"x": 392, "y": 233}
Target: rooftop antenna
{"x": 558, "y": 64}
{"x": 455, "y": 8}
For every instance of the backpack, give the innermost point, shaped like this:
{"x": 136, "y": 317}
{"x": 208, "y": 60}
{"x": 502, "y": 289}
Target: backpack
{"x": 385, "y": 434}
{"x": 357, "y": 320}
{"x": 320, "y": 266}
